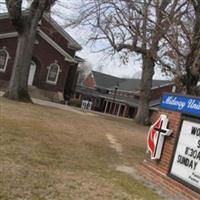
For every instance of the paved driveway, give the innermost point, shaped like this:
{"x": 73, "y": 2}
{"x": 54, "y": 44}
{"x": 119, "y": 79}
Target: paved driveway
{"x": 56, "y": 105}
{"x": 1, "y": 93}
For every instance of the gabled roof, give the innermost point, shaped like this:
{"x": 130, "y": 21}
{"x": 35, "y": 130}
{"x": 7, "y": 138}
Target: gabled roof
{"x": 105, "y": 81}
{"x": 129, "y": 85}
{"x": 47, "y": 39}
{"x": 72, "y": 42}
{"x": 56, "y": 46}
{"x": 79, "y": 59}
{"x": 133, "y": 85}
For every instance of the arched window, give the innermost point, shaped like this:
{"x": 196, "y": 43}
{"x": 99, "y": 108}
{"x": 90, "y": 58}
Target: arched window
{"x": 52, "y": 76}
{"x": 4, "y": 56}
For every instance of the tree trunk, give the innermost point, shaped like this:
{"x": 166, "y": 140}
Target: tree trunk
{"x": 18, "y": 88}
{"x": 142, "y": 116}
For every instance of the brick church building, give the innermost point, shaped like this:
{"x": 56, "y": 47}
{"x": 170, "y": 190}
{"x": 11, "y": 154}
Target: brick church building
{"x": 53, "y": 69}
{"x": 119, "y": 96}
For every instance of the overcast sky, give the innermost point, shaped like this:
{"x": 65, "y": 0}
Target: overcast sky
{"x": 101, "y": 61}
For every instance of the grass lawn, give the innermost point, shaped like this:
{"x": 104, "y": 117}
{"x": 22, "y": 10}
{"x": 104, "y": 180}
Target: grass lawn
{"x": 51, "y": 154}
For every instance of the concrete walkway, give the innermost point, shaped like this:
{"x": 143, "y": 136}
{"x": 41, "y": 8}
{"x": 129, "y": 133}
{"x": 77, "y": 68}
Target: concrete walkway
{"x": 56, "y": 105}
{"x": 70, "y": 108}
{"x": 1, "y": 93}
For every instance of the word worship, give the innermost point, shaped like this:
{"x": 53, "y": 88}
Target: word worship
{"x": 195, "y": 131}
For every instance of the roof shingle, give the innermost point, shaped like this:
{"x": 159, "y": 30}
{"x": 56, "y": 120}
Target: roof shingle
{"x": 132, "y": 85}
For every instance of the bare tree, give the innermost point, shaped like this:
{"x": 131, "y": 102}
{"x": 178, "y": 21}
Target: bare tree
{"x": 25, "y": 23}
{"x": 132, "y": 27}
{"x": 181, "y": 55}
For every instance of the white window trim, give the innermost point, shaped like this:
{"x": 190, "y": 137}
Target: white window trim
{"x": 6, "y": 63}
{"x": 49, "y": 68}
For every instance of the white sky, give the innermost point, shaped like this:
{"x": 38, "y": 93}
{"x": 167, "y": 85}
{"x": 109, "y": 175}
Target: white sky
{"x": 101, "y": 61}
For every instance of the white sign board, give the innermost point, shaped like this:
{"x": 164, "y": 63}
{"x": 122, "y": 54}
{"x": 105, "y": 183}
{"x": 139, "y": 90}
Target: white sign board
{"x": 186, "y": 162}
{"x": 86, "y": 105}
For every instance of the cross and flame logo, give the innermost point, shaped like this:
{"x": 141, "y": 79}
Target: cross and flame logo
{"x": 156, "y": 136}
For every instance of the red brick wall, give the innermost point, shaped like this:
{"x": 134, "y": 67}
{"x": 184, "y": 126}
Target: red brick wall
{"x": 154, "y": 114}
{"x": 157, "y": 92}
{"x": 10, "y": 45}
{"x": 156, "y": 171}
{"x": 44, "y": 54}
{"x": 47, "y": 55}
{"x": 6, "y": 26}
{"x": 57, "y": 37}
{"x": 89, "y": 81}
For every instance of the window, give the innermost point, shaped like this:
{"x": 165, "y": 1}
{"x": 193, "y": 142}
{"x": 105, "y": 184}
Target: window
{"x": 3, "y": 60}
{"x": 52, "y": 76}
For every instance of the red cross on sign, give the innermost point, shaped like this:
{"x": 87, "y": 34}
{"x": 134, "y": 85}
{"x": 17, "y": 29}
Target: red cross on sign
{"x": 156, "y": 136}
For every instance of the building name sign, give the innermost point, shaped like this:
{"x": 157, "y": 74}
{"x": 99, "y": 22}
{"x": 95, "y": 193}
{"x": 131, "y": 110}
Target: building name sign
{"x": 186, "y": 161}
{"x": 181, "y": 103}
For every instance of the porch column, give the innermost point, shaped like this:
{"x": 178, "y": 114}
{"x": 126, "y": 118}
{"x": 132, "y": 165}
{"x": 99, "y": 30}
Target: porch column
{"x": 119, "y": 109}
{"x": 125, "y": 108}
{"x": 115, "y": 105}
{"x": 106, "y": 107}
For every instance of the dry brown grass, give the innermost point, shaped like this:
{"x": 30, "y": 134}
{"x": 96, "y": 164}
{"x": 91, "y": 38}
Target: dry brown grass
{"x": 51, "y": 154}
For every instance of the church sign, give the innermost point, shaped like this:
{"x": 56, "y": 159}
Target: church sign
{"x": 185, "y": 165}
{"x": 173, "y": 142}
{"x": 184, "y": 104}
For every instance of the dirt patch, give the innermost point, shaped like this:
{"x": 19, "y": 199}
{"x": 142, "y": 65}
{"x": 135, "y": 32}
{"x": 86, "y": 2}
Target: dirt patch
{"x": 126, "y": 169}
{"x": 53, "y": 154}
{"x": 114, "y": 144}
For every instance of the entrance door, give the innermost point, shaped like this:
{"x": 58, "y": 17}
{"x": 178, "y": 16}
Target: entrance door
{"x": 31, "y": 73}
